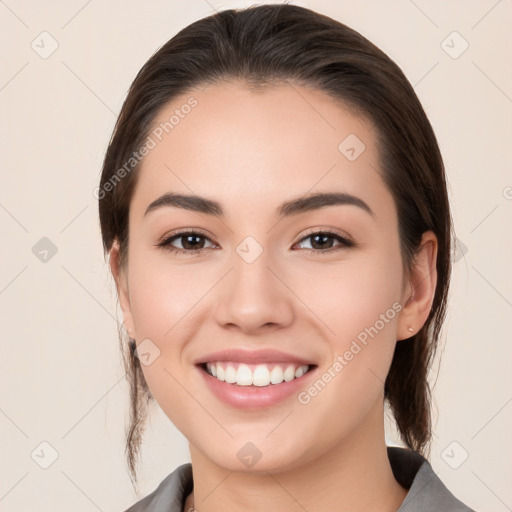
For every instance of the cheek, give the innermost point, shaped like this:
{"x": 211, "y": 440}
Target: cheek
{"x": 358, "y": 305}
{"x": 163, "y": 294}
{"x": 165, "y": 301}
{"x": 349, "y": 296}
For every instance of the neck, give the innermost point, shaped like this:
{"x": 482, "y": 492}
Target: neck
{"x": 355, "y": 475}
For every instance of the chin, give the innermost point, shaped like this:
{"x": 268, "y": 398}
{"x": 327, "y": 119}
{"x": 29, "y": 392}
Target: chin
{"x": 265, "y": 456}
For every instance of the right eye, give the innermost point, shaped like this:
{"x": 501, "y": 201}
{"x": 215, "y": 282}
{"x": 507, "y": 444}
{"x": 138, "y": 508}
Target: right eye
{"x": 190, "y": 244}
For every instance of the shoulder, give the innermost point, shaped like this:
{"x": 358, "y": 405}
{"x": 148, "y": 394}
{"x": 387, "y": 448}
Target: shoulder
{"x": 170, "y": 493}
{"x": 426, "y": 492}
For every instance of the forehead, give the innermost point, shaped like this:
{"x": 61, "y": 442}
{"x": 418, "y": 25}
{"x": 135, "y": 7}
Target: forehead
{"x": 248, "y": 148}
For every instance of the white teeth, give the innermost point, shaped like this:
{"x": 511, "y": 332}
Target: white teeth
{"x": 276, "y": 375}
{"x": 299, "y": 372}
{"x": 289, "y": 374}
{"x": 260, "y": 376}
{"x": 243, "y": 375}
{"x": 230, "y": 375}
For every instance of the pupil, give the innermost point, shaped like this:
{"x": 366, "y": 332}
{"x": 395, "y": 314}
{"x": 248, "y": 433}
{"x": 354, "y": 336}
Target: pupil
{"x": 324, "y": 237}
{"x": 191, "y": 237}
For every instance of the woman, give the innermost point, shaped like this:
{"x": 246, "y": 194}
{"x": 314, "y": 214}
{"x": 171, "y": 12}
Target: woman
{"x": 274, "y": 206}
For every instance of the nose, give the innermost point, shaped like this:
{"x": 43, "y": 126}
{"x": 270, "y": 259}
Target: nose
{"x": 254, "y": 296}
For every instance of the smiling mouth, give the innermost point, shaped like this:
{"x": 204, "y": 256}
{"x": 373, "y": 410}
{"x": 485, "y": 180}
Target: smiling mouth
{"x": 255, "y": 375}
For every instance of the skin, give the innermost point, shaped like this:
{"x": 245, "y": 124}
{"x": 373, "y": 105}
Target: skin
{"x": 252, "y": 150}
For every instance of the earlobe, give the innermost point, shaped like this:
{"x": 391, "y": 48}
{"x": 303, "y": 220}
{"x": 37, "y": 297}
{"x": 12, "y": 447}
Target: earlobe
{"x": 419, "y": 294}
{"x": 121, "y": 281}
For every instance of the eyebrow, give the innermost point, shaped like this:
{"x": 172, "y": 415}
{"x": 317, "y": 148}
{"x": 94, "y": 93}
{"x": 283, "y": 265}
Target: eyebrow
{"x": 288, "y": 208}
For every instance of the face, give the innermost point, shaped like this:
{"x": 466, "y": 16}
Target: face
{"x": 322, "y": 283}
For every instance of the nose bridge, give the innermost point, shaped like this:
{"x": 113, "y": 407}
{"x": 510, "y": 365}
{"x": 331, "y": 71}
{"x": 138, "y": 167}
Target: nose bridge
{"x": 251, "y": 278}
{"x": 251, "y": 295}
{"x": 251, "y": 269}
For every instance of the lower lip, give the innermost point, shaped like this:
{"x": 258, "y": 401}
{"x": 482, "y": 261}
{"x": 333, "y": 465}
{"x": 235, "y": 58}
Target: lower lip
{"x": 254, "y": 397}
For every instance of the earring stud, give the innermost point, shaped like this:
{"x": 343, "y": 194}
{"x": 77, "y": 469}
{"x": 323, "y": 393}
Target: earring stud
{"x": 411, "y": 329}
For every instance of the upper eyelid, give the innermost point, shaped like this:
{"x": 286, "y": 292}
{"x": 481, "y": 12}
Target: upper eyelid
{"x": 328, "y": 231}
{"x": 189, "y": 231}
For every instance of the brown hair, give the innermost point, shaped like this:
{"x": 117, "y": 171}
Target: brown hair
{"x": 258, "y": 46}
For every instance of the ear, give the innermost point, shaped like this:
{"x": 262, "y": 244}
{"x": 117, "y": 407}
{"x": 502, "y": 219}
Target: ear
{"x": 419, "y": 290}
{"x": 122, "y": 288}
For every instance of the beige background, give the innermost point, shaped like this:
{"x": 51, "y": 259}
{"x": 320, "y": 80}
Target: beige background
{"x": 61, "y": 374}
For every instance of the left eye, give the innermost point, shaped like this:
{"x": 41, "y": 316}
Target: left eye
{"x": 193, "y": 242}
{"x": 320, "y": 241}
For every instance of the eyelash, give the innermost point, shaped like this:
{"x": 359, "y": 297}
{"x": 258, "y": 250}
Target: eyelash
{"x": 165, "y": 244}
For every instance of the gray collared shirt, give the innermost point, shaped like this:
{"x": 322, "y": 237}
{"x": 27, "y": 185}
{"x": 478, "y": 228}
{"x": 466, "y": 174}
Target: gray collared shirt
{"x": 426, "y": 492}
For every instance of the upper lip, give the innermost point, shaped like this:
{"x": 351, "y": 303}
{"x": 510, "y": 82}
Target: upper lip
{"x": 252, "y": 356}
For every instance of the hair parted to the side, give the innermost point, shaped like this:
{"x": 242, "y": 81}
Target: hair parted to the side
{"x": 266, "y": 44}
